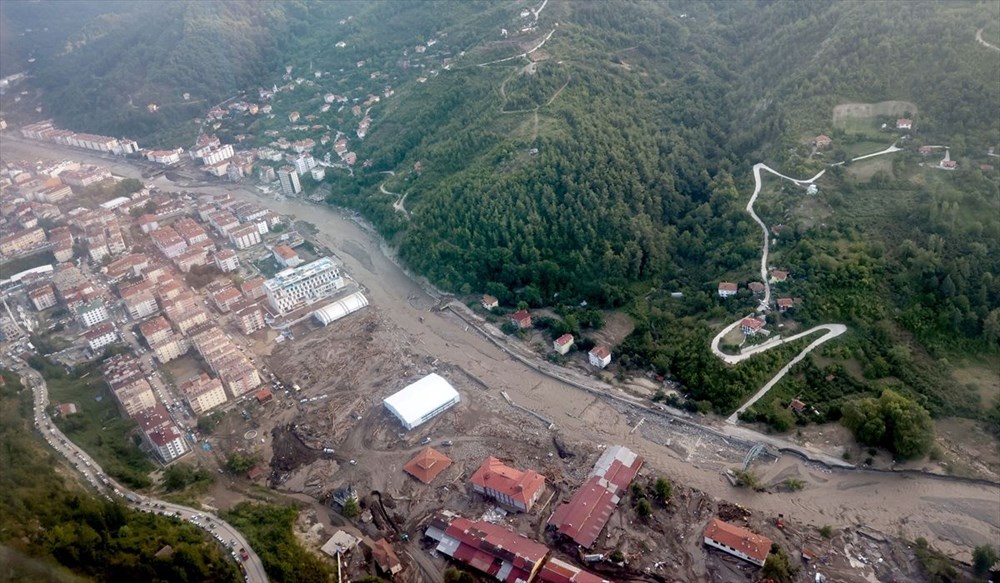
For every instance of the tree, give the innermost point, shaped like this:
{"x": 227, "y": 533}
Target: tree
{"x": 664, "y": 489}
{"x": 351, "y": 508}
{"x": 826, "y": 531}
{"x": 240, "y": 463}
{"x": 892, "y": 421}
{"x": 644, "y": 509}
{"x": 777, "y": 566}
{"x": 983, "y": 558}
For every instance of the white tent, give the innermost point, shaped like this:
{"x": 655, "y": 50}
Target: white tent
{"x": 337, "y": 310}
{"x": 422, "y": 400}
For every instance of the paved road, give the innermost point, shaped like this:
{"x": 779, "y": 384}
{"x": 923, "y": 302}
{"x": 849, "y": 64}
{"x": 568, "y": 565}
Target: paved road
{"x": 226, "y": 534}
{"x": 833, "y": 330}
{"x": 979, "y": 38}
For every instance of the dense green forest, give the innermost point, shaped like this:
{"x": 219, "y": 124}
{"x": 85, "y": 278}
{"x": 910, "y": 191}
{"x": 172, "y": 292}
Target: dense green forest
{"x": 50, "y": 525}
{"x": 268, "y": 529}
{"x": 612, "y": 165}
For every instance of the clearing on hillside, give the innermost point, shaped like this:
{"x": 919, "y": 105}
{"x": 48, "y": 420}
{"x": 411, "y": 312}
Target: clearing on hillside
{"x": 846, "y": 111}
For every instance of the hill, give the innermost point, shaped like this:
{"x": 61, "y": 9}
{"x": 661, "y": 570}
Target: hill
{"x": 557, "y": 152}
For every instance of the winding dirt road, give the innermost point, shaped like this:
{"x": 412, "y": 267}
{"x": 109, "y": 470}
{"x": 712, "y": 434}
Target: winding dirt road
{"x": 953, "y": 515}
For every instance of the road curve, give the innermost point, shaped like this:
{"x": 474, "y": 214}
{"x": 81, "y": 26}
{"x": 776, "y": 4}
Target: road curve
{"x": 979, "y": 38}
{"x": 94, "y": 474}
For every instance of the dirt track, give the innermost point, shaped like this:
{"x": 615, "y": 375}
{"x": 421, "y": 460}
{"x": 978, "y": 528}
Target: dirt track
{"x": 952, "y": 515}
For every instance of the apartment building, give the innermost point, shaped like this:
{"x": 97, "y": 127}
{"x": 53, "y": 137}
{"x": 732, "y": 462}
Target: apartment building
{"x": 301, "y": 286}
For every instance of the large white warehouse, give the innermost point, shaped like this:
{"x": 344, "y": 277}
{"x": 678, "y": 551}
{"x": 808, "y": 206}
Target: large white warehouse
{"x": 422, "y": 400}
{"x": 340, "y": 308}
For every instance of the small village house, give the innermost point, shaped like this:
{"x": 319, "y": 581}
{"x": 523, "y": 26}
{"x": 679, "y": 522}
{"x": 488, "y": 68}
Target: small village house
{"x": 489, "y": 302}
{"x": 563, "y": 344}
{"x": 600, "y": 356}
{"x": 727, "y": 289}
{"x": 737, "y": 541}
{"x": 521, "y": 319}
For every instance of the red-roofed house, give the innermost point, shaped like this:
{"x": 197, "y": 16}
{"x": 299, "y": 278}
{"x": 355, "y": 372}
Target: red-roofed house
{"x": 822, "y": 141}
{"x": 556, "y": 571}
{"x": 785, "y": 304}
{"x": 737, "y": 541}
{"x": 563, "y": 343}
{"x": 509, "y": 486}
{"x": 427, "y": 465}
{"x": 503, "y": 554}
{"x": 286, "y": 256}
{"x": 904, "y": 123}
{"x": 489, "y": 302}
{"x": 385, "y": 557}
{"x": 778, "y": 276}
{"x": 521, "y": 319}
{"x": 727, "y": 289}
{"x": 751, "y": 326}
{"x": 756, "y": 287}
{"x": 583, "y": 517}
{"x": 599, "y": 356}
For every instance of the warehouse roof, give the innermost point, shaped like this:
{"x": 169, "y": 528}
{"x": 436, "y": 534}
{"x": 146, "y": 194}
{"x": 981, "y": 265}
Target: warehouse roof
{"x": 417, "y": 402}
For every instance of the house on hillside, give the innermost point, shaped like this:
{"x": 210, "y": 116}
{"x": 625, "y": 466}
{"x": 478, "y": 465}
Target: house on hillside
{"x": 756, "y": 287}
{"x": 904, "y": 123}
{"x": 727, "y": 289}
{"x": 751, "y": 326}
{"x": 521, "y": 319}
{"x": 822, "y": 141}
{"x": 785, "y": 304}
{"x": 778, "y": 276}
{"x": 489, "y": 302}
{"x": 563, "y": 343}
{"x": 599, "y": 356}
{"x": 737, "y": 541}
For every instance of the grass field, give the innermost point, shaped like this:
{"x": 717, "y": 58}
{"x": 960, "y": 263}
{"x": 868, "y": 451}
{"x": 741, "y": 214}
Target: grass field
{"x": 98, "y": 427}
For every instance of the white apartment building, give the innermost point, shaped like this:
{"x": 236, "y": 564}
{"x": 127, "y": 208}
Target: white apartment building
{"x": 92, "y": 313}
{"x": 227, "y": 260}
{"x": 301, "y": 286}
{"x": 204, "y": 393}
{"x": 217, "y": 155}
{"x": 304, "y": 163}
{"x": 289, "y": 179}
{"x": 245, "y": 236}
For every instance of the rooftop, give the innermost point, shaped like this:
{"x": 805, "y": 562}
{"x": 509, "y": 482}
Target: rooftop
{"x": 736, "y": 537}
{"x": 427, "y": 465}
{"x": 519, "y": 485}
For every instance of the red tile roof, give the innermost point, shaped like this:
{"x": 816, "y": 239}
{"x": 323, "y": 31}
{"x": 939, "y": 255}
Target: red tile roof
{"x": 564, "y": 340}
{"x": 427, "y": 465}
{"x": 752, "y": 324}
{"x": 728, "y": 286}
{"x": 520, "y": 316}
{"x": 584, "y": 516}
{"x": 745, "y": 541}
{"x": 285, "y": 252}
{"x": 601, "y": 352}
{"x": 556, "y": 571}
{"x": 522, "y": 486}
{"x": 486, "y": 546}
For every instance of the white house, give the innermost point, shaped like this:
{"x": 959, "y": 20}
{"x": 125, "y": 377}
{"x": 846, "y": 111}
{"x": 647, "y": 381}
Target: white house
{"x": 563, "y": 344}
{"x": 738, "y": 541}
{"x": 600, "y": 356}
{"x": 727, "y": 289}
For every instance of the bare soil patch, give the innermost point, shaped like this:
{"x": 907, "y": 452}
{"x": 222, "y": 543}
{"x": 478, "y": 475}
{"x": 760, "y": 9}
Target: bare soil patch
{"x": 846, "y": 111}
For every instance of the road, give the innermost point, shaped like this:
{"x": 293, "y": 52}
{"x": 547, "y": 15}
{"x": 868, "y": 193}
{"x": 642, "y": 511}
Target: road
{"x": 226, "y": 534}
{"x": 833, "y": 330}
{"x": 953, "y": 515}
{"x": 979, "y": 39}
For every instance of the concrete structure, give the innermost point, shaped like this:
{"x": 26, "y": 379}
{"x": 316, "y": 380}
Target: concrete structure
{"x": 584, "y": 516}
{"x": 489, "y": 548}
{"x": 100, "y": 336}
{"x": 489, "y": 302}
{"x": 727, "y": 289}
{"x": 91, "y": 313}
{"x": 203, "y": 393}
{"x": 22, "y": 241}
{"x": 245, "y": 236}
{"x": 751, "y": 326}
{"x": 340, "y": 543}
{"x": 737, "y": 541}
{"x": 160, "y": 433}
{"x": 289, "y": 180}
{"x": 521, "y": 319}
{"x": 511, "y": 487}
{"x": 599, "y": 356}
{"x": 563, "y": 344}
{"x": 301, "y": 286}
{"x": 421, "y": 401}
{"x": 42, "y": 297}
{"x": 226, "y": 260}
{"x": 249, "y": 318}
{"x": 286, "y": 256}
{"x": 337, "y": 310}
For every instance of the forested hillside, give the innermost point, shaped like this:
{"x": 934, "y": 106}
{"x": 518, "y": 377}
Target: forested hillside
{"x": 51, "y": 528}
{"x": 569, "y": 151}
